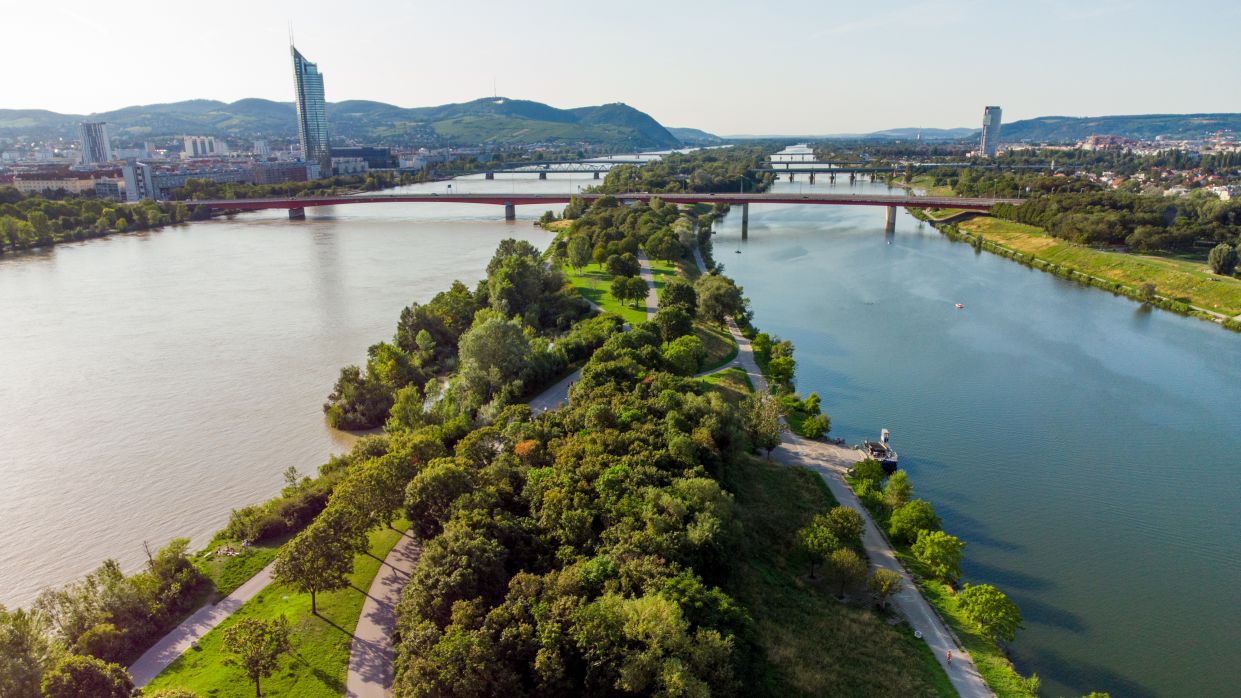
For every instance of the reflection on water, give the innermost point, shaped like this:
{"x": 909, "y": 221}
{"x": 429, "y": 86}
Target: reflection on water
{"x": 1084, "y": 447}
{"x": 152, "y": 382}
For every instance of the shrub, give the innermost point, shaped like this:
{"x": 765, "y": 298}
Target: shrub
{"x": 908, "y": 519}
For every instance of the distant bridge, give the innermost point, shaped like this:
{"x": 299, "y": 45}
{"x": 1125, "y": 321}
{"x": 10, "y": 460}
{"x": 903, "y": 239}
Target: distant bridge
{"x": 297, "y": 206}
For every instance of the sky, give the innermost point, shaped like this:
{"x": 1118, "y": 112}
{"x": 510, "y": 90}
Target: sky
{"x": 727, "y": 67}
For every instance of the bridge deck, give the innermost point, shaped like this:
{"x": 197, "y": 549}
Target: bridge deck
{"x": 967, "y": 203}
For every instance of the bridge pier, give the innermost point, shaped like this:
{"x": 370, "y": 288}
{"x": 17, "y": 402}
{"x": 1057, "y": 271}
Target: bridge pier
{"x": 852, "y": 177}
{"x": 596, "y": 174}
{"x": 510, "y": 212}
{"x": 543, "y": 175}
{"x": 832, "y": 177}
{"x": 792, "y": 175}
{"x": 812, "y": 178}
{"x": 489, "y": 175}
{"x": 297, "y": 214}
{"x": 745, "y": 221}
{"x": 889, "y": 220}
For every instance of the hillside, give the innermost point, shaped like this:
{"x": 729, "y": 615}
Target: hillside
{"x": 1069, "y": 129}
{"x": 488, "y": 120}
{"x": 693, "y": 136}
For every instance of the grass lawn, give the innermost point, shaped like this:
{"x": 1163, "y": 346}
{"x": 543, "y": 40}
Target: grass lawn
{"x": 927, "y": 184}
{"x": 732, "y": 384}
{"x": 1181, "y": 279}
{"x": 321, "y": 644}
{"x": 231, "y": 571}
{"x": 557, "y": 226}
{"x": 661, "y": 272}
{"x": 593, "y": 284}
{"x": 720, "y": 345}
{"x": 808, "y": 643}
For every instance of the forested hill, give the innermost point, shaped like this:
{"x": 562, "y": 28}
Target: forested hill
{"x": 487, "y": 120}
{"x": 1070, "y": 129}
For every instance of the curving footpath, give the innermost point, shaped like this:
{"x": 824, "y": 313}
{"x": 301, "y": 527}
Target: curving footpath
{"x": 191, "y": 630}
{"x": 652, "y": 296}
{"x": 371, "y": 655}
{"x": 831, "y": 463}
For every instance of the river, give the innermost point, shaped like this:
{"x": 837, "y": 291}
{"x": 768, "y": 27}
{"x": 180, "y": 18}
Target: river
{"x": 1085, "y": 448}
{"x": 151, "y": 382}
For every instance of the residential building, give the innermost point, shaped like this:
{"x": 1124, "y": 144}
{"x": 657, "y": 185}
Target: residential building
{"x": 349, "y": 166}
{"x": 311, "y": 111}
{"x": 990, "y": 131}
{"x": 96, "y": 148}
{"x": 261, "y": 148}
{"x": 279, "y": 172}
{"x": 200, "y": 147}
{"x": 108, "y": 189}
{"x": 144, "y": 181}
{"x": 376, "y": 158}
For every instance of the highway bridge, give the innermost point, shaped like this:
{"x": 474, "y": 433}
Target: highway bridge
{"x": 297, "y": 206}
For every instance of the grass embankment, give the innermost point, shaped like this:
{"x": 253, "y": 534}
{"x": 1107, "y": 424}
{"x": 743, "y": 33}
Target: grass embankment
{"x": 320, "y": 643}
{"x": 720, "y": 345}
{"x": 228, "y": 572}
{"x": 732, "y": 384}
{"x": 991, "y": 661}
{"x": 812, "y": 643}
{"x": 557, "y": 226}
{"x": 594, "y": 283}
{"x": 1185, "y": 281}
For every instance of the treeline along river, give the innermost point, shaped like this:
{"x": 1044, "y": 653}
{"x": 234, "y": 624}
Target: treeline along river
{"x": 1086, "y": 449}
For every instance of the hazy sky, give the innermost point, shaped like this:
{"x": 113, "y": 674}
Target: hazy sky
{"x": 727, "y": 67}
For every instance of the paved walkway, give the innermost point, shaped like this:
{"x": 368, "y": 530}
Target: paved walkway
{"x": 555, "y": 396}
{"x": 164, "y": 652}
{"x": 831, "y": 462}
{"x": 372, "y": 653}
{"x": 652, "y": 296}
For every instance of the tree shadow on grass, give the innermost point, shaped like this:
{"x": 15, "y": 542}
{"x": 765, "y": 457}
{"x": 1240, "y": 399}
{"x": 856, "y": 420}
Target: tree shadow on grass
{"x": 331, "y": 623}
{"x": 332, "y": 682}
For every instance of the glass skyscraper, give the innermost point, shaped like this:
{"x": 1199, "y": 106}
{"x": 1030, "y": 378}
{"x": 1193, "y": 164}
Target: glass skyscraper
{"x": 311, "y": 109}
{"x": 990, "y": 131}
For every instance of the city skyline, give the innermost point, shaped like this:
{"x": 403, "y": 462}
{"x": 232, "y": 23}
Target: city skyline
{"x": 808, "y": 69}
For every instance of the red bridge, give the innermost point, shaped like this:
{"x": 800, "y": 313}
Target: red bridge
{"x": 297, "y": 206}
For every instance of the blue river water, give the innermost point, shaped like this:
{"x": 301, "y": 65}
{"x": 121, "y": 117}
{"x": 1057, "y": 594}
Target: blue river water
{"x": 1088, "y": 450}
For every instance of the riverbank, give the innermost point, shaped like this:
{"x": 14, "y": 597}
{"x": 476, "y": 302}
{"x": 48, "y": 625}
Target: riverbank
{"x": 1180, "y": 286}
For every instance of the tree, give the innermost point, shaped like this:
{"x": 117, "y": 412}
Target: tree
{"x": 884, "y": 584}
{"x": 908, "y": 519}
{"x": 817, "y": 541}
{"x": 637, "y": 289}
{"x": 317, "y": 559}
{"x": 680, "y": 293}
{"x": 25, "y": 651}
{"x": 672, "y": 320}
{"x": 869, "y": 469}
{"x": 684, "y": 355}
{"x": 991, "y": 610}
{"x": 760, "y": 414}
{"x": 1147, "y": 292}
{"x": 257, "y": 646}
{"x": 941, "y": 553}
{"x": 78, "y": 676}
{"x": 816, "y": 426}
{"x": 579, "y": 252}
{"x": 1223, "y": 259}
{"x": 846, "y": 569}
{"x": 781, "y": 369}
{"x": 493, "y": 352}
{"x": 430, "y": 495}
{"x": 624, "y": 265}
{"x": 718, "y": 298}
{"x": 898, "y": 489}
{"x": 845, "y": 524}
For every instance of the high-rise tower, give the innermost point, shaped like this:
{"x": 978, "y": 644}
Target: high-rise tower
{"x": 990, "y": 130}
{"x": 95, "y": 145}
{"x": 311, "y": 112}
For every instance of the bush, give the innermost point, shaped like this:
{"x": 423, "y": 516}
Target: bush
{"x": 908, "y": 519}
{"x": 684, "y": 355}
{"x": 1223, "y": 259}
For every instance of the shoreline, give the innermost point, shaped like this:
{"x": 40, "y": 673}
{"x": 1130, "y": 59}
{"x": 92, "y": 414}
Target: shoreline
{"x": 948, "y": 226}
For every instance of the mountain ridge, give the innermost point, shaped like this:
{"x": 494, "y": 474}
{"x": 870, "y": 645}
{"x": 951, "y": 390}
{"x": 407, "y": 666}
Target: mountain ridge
{"x": 497, "y": 120}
